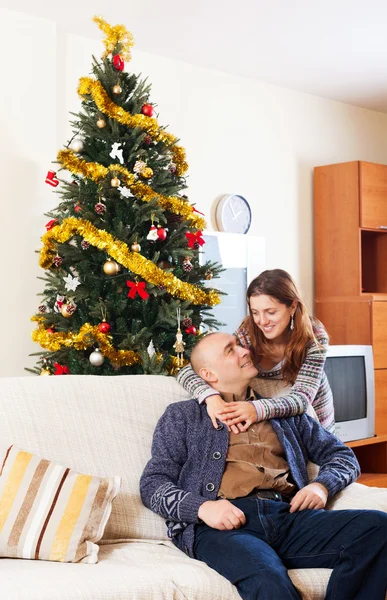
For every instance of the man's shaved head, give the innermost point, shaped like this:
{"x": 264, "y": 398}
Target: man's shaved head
{"x": 220, "y": 361}
{"x": 200, "y": 354}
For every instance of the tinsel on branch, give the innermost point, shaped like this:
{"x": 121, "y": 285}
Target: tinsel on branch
{"x": 88, "y": 86}
{"x": 87, "y": 336}
{"x": 118, "y": 250}
{"x": 98, "y": 172}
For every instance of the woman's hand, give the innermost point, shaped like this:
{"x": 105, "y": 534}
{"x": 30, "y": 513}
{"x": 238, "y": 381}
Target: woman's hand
{"x": 215, "y": 407}
{"x": 238, "y": 414}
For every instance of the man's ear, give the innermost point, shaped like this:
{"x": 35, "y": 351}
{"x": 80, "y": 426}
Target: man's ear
{"x": 206, "y": 374}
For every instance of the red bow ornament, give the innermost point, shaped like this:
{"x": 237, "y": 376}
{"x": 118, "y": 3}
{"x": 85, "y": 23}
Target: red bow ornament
{"x": 61, "y": 369}
{"x": 137, "y": 288}
{"x": 195, "y": 238}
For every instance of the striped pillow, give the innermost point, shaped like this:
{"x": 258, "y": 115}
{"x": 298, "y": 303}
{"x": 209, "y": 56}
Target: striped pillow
{"x": 50, "y": 512}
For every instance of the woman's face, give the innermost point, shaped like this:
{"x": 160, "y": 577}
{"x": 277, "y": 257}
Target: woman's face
{"x": 272, "y": 317}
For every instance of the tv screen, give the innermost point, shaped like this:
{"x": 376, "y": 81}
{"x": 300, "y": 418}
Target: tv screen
{"x": 347, "y": 378}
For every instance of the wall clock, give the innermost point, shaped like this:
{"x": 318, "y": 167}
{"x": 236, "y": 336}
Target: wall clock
{"x": 233, "y": 214}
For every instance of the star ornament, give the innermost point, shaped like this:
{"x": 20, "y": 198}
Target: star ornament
{"x": 71, "y": 283}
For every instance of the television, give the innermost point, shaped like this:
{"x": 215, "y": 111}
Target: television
{"x": 350, "y": 372}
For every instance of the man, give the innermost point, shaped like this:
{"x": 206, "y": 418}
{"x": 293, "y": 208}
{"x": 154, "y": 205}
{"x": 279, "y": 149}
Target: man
{"x": 242, "y": 503}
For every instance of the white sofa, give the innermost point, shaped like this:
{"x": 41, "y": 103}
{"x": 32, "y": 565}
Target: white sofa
{"x": 104, "y": 426}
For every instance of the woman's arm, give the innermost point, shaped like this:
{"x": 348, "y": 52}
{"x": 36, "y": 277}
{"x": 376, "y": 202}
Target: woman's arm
{"x": 302, "y": 393}
{"x": 194, "y": 384}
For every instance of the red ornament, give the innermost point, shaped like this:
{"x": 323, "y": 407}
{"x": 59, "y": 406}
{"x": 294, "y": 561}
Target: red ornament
{"x": 51, "y": 179}
{"x": 137, "y": 288}
{"x": 195, "y": 239}
{"x": 191, "y": 330}
{"x": 104, "y": 327}
{"x": 78, "y": 208}
{"x": 147, "y": 110}
{"x": 148, "y": 140}
{"x": 100, "y": 208}
{"x": 61, "y": 369}
{"x": 57, "y": 261}
{"x": 161, "y": 234}
{"x": 187, "y": 322}
{"x": 51, "y": 224}
{"x": 118, "y": 62}
{"x": 50, "y": 330}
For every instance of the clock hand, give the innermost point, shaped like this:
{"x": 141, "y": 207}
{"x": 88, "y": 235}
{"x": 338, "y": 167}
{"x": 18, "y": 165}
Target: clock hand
{"x": 232, "y": 209}
{"x": 236, "y": 215}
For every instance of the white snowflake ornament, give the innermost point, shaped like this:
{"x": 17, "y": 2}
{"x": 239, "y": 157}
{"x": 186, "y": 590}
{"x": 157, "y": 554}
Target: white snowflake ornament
{"x": 71, "y": 283}
{"x": 124, "y": 191}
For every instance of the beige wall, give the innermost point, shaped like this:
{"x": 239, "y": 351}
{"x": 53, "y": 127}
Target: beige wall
{"x": 241, "y": 136}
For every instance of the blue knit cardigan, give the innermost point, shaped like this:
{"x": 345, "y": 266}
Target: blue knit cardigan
{"x": 189, "y": 457}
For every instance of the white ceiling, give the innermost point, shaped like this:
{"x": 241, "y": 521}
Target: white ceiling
{"x": 331, "y": 48}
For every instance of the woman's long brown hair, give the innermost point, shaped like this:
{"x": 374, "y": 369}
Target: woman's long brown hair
{"x": 279, "y": 285}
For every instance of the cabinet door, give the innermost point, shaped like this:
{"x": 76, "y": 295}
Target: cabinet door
{"x": 373, "y": 196}
{"x": 379, "y": 334}
{"x": 381, "y": 401}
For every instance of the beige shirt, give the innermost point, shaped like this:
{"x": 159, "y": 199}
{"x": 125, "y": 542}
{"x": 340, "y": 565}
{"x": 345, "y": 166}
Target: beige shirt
{"x": 255, "y": 459}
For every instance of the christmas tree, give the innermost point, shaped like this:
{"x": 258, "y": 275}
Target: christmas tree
{"x": 124, "y": 289}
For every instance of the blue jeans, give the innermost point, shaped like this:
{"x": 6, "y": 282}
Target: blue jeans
{"x": 255, "y": 558}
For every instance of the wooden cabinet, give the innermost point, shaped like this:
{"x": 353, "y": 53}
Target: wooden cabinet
{"x": 379, "y": 334}
{"x": 373, "y": 194}
{"x": 350, "y": 224}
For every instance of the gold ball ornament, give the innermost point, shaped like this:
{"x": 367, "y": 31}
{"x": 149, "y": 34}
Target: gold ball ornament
{"x": 117, "y": 89}
{"x": 115, "y": 182}
{"x": 67, "y": 310}
{"x": 135, "y": 247}
{"x": 209, "y": 274}
{"x": 111, "y": 267}
{"x": 44, "y": 373}
{"x": 101, "y": 123}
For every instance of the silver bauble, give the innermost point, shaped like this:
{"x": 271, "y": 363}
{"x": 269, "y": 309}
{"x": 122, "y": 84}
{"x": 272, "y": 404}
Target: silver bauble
{"x": 96, "y": 358}
{"x": 76, "y": 145}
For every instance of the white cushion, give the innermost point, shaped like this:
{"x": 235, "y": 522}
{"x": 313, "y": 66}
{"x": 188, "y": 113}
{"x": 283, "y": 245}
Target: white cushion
{"x": 133, "y": 571}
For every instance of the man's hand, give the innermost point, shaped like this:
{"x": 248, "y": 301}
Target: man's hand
{"x": 236, "y": 413}
{"x": 314, "y": 495}
{"x": 215, "y": 406}
{"x": 221, "y": 514}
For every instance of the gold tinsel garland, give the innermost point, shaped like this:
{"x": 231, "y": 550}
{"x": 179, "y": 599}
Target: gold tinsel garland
{"x": 89, "y": 86}
{"x": 118, "y": 250}
{"x": 86, "y": 337}
{"x": 117, "y": 34}
{"x": 141, "y": 190}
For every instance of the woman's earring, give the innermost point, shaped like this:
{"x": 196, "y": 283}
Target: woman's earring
{"x": 292, "y": 323}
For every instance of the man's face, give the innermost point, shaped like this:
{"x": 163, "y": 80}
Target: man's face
{"x": 229, "y": 362}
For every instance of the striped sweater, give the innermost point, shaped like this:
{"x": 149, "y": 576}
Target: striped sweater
{"x": 311, "y": 385}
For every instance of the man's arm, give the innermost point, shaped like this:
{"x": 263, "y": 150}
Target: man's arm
{"x": 158, "y": 483}
{"x": 338, "y": 464}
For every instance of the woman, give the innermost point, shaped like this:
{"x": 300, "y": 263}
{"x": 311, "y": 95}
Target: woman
{"x": 287, "y": 347}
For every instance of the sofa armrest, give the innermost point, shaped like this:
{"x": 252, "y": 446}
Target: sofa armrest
{"x": 358, "y": 496}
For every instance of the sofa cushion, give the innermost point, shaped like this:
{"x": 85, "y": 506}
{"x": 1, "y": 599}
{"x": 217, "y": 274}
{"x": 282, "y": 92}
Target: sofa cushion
{"x": 93, "y": 424}
{"x": 51, "y": 512}
{"x": 134, "y": 571}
